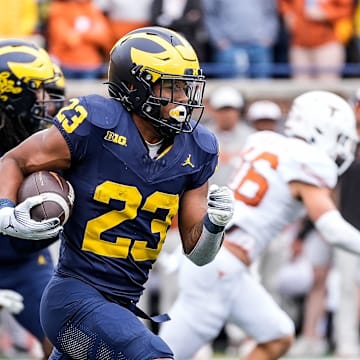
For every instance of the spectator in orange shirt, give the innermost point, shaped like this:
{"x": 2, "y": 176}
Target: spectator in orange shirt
{"x": 319, "y": 30}
{"x": 125, "y": 15}
{"x": 79, "y": 37}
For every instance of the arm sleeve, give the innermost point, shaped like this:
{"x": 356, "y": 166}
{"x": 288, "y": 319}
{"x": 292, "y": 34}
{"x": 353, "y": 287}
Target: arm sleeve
{"x": 338, "y": 232}
{"x": 208, "y": 244}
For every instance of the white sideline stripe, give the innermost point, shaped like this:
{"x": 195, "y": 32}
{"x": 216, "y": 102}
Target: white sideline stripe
{"x": 50, "y": 196}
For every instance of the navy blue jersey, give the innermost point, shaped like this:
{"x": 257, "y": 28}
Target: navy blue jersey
{"x": 124, "y": 200}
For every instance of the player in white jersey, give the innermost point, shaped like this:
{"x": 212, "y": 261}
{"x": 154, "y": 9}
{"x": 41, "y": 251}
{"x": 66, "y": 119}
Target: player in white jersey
{"x": 280, "y": 179}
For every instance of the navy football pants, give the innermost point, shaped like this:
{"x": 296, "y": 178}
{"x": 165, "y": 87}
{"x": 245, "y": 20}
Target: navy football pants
{"x": 83, "y": 325}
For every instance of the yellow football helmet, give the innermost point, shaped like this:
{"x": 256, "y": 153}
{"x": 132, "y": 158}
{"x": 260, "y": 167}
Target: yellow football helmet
{"x": 25, "y": 69}
{"x": 152, "y": 55}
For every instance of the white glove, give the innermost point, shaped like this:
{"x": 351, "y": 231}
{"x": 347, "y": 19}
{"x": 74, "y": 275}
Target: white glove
{"x": 11, "y": 301}
{"x": 221, "y": 205}
{"x": 17, "y": 222}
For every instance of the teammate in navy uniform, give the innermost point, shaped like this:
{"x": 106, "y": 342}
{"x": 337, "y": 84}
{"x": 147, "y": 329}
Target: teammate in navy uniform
{"x": 25, "y": 71}
{"x": 135, "y": 160}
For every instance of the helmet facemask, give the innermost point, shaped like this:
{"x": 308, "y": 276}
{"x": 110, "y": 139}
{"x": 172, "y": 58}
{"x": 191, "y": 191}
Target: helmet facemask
{"x": 55, "y": 89}
{"x": 345, "y": 152}
{"x": 49, "y": 101}
{"x": 178, "y": 119}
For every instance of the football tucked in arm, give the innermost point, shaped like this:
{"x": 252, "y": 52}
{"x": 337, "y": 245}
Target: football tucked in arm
{"x": 58, "y": 192}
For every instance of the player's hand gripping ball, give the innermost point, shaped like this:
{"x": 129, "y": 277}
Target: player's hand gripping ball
{"x": 58, "y": 194}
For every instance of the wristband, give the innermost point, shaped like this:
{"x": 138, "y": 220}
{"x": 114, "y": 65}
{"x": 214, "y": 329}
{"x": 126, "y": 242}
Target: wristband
{"x": 211, "y": 227}
{"x": 6, "y": 203}
{"x": 338, "y": 232}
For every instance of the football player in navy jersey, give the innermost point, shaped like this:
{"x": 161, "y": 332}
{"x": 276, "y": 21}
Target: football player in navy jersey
{"x": 135, "y": 160}
{"x": 25, "y": 104}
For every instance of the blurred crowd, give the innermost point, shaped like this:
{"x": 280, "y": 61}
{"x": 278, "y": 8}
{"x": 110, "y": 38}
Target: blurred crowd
{"x": 298, "y": 39}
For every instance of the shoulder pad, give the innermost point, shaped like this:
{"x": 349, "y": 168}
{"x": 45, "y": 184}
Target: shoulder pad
{"x": 206, "y": 139}
{"x": 309, "y": 165}
{"x": 103, "y": 112}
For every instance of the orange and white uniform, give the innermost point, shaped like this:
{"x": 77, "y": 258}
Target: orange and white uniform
{"x": 265, "y": 204}
{"x": 224, "y": 290}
